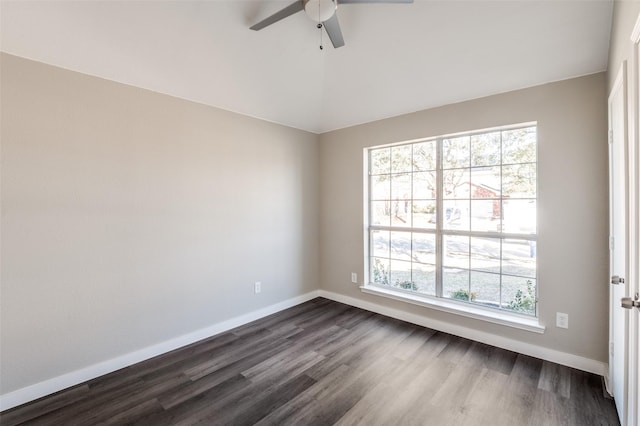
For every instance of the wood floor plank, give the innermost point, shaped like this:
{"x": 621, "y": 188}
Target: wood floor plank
{"x": 85, "y": 405}
{"x": 170, "y": 362}
{"x": 331, "y": 404}
{"x": 411, "y": 406}
{"x": 352, "y": 317}
{"x": 324, "y": 363}
{"x": 46, "y": 405}
{"x": 455, "y": 350}
{"x": 501, "y": 360}
{"x": 290, "y": 364}
{"x": 459, "y": 384}
{"x": 202, "y": 382}
{"x": 482, "y": 397}
{"x": 516, "y": 400}
{"x": 227, "y": 355}
{"x": 130, "y": 415}
{"x": 253, "y": 406}
{"x": 589, "y": 406}
{"x": 406, "y": 349}
{"x": 556, "y": 379}
{"x": 129, "y": 401}
{"x": 198, "y": 406}
{"x": 381, "y": 401}
{"x": 550, "y": 408}
{"x": 302, "y": 404}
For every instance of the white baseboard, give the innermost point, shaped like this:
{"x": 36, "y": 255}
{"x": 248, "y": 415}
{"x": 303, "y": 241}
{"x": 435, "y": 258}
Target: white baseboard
{"x": 563, "y": 358}
{"x": 55, "y": 384}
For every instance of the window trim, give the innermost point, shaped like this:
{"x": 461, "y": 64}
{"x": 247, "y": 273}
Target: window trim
{"x": 497, "y": 316}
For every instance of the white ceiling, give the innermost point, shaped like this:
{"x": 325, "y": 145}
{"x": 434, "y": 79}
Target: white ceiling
{"x": 398, "y": 58}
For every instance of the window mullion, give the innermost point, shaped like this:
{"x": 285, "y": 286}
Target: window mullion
{"x": 410, "y": 215}
{"x": 439, "y": 218}
{"x": 369, "y": 262}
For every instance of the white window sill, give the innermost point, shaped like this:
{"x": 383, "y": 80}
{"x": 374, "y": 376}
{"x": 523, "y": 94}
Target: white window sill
{"x": 466, "y": 310}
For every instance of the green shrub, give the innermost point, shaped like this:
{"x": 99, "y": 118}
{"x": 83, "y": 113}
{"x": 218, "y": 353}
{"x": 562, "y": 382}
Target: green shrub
{"x": 524, "y": 301}
{"x": 380, "y": 273}
{"x": 407, "y": 285}
{"x": 463, "y": 294}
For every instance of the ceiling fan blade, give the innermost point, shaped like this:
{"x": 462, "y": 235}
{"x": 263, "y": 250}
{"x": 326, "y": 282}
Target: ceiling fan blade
{"x": 287, "y": 11}
{"x": 333, "y": 29}
{"x": 374, "y": 1}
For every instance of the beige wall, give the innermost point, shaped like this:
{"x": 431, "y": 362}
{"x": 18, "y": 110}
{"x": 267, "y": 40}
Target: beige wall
{"x": 572, "y": 220}
{"x": 130, "y": 218}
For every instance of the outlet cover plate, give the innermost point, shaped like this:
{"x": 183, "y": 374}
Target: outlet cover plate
{"x": 562, "y": 320}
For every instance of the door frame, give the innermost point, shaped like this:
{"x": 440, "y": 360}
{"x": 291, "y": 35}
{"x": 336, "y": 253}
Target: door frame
{"x": 633, "y": 223}
{"x": 619, "y": 88}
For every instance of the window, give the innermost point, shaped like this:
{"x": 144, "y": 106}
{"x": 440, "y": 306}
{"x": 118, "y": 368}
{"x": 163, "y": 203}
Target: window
{"x": 454, "y": 217}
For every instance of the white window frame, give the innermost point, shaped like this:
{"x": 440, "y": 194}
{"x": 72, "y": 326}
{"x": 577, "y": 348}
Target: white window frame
{"x": 438, "y": 302}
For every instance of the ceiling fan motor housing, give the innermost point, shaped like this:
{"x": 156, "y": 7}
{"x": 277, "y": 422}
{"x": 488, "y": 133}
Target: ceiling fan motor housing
{"x": 320, "y": 10}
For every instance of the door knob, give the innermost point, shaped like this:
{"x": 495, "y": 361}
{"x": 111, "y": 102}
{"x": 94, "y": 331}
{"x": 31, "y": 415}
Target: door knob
{"x": 629, "y": 303}
{"x": 617, "y": 280}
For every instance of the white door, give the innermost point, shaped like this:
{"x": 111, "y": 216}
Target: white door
{"x": 618, "y": 321}
{"x": 633, "y": 399}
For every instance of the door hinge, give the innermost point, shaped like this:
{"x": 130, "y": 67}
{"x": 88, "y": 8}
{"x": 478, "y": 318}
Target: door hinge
{"x": 610, "y": 136}
{"x": 611, "y": 349}
{"x": 615, "y": 279}
{"x": 611, "y": 243}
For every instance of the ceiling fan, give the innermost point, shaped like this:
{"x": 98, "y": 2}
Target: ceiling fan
{"x": 321, "y": 11}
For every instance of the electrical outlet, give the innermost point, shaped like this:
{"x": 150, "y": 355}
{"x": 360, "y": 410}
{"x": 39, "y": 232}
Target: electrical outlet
{"x": 257, "y": 287}
{"x": 562, "y": 320}
{"x": 354, "y": 278}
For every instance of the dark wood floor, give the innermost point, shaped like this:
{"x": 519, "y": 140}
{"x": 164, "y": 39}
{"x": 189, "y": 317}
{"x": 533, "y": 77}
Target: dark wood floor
{"x": 323, "y": 363}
